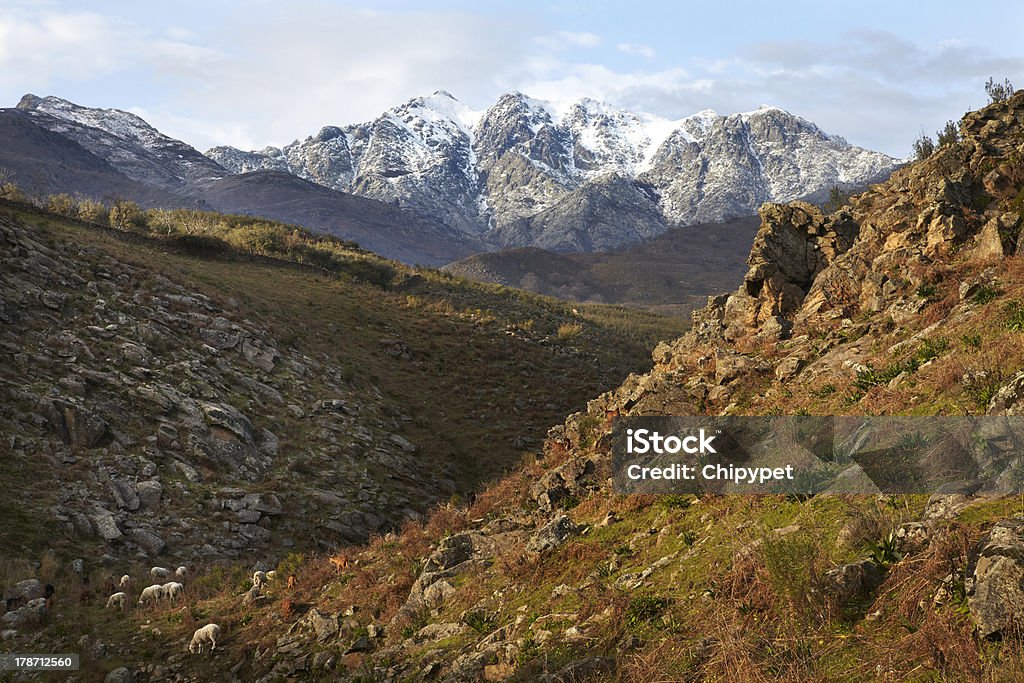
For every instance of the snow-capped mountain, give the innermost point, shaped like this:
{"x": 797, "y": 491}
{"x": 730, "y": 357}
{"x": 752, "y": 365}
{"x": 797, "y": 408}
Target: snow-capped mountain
{"x": 509, "y": 171}
{"x": 125, "y": 140}
{"x": 576, "y": 176}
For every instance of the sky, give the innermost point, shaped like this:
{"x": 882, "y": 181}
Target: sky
{"x": 252, "y": 74}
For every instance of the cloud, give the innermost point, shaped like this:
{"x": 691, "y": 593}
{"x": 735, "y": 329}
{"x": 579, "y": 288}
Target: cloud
{"x": 636, "y": 49}
{"x": 38, "y": 47}
{"x": 579, "y": 39}
{"x": 251, "y": 78}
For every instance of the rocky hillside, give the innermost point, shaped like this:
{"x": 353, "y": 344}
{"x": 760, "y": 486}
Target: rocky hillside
{"x": 189, "y": 409}
{"x": 909, "y": 300}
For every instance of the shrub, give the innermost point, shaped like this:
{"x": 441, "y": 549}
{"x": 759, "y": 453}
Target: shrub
{"x": 126, "y": 215}
{"x": 568, "y": 331}
{"x": 1015, "y": 312}
{"x": 924, "y": 147}
{"x": 998, "y": 92}
{"x": 949, "y": 135}
{"x": 792, "y": 565}
{"x": 644, "y": 608}
{"x": 986, "y": 294}
{"x": 62, "y": 204}
{"x": 971, "y": 341}
{"x": 92, "y": 211}
{"x": 836, "y": 199}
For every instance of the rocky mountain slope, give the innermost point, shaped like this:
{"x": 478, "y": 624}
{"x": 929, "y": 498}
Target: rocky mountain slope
{"x": 583, "y": 177}
{"x": 906, "y": 301}
{"x": 188, "y": 409}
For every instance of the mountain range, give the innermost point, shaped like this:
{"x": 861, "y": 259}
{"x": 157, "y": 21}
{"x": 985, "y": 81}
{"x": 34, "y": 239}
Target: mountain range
{"x": 433, "y": 180}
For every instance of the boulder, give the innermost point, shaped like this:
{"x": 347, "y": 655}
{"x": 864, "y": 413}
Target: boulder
{"x": 553, "y": 534}
{"x": 322, "y": 625}
{"x": 997, "y": 599}
{"x": 853, "y": 581}
{"x": 74, "y": 424}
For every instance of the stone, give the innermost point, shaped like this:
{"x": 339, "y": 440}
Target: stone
{"x": 997, "y": 601}
{"x": 434, "y": 632}
{"x": 76, "y": 425}
{"x": 452, "y": 551}
{"x": 854, "y": 580}
{"x": 149, "y": 493}
{"x": 148, "y": 541}
{"x": 120, "y": 675}
{"x": 26, "y": 590}
{"x": 553, "y": 534}
{"x": 322, "y": 625}
{"x": 105, "y": 526}
{"x": 437, "y": 593}
{"x": 31, "y": 614}
{"x": 124, "y": 494}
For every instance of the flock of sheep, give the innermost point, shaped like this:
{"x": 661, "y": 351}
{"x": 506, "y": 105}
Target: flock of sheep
{"x": 171, "y": 591}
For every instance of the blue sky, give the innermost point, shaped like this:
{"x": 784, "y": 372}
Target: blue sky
{"x": 257, "y": 73}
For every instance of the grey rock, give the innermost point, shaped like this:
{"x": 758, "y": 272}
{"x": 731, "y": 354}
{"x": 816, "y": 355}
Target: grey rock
{"x": 105, "y": 526}
{"x": 75, "y": 424}
{"x": 854, "y": 580}
{"x": 997, "y": 602}
{"x": 120, "y": 675}
{"x": 553, "y": 534}
{"x": 322, "y": 625}
{"x": 31, "y": 614}
{"x": 149, "y": 493}
{"x": 148, "y": 541}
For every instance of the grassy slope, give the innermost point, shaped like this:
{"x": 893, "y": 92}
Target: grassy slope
{"x": 488, "y": 367}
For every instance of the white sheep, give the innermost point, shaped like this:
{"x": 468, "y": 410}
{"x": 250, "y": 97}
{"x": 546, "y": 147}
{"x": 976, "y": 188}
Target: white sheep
{"x": 272, "y": 575}
{"x": 259, "y": 580}
{"x": 151, "y": 593}
{"x": 172, "y": 590}
{"x": 160, "y": 573}
{"x": 208, "y": 633}
{"x": 180, "y": 572}
{"x": 117, "y": 600}
{"x": 125, "y": 582}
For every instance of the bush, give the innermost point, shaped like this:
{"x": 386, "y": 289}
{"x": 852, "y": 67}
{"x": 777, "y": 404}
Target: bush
{"x": 126, "y": 215}
{"x": 949, "y": 135}
{"x": 92, "y": 211}
{"x": 644, "y": 608}
{"x": 998, "y": 92}
{"x": 924, "y": 147}
{"x": 1015, "y": 321}
{"x": 792, "y": 563}
{"x": 568, "y": 331}
{"x": 836, "y": 199}
{"x": 62, "y": 204}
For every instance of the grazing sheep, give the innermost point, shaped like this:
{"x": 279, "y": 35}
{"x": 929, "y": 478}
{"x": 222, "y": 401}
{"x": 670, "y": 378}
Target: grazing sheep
{"x": 125, "y": 582}
{"x": 160, "y": 573}
{"x": 259, "y": 580}
{"x": 151, "y": 593}
{"x": 172, "y": 590}
{"x": 272, "y": 575}
{"x": 180, "y": 572}
{"x": 117, "y": 600}
{"x": 208, "y": 633}
{"x": 291, "y": 580}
